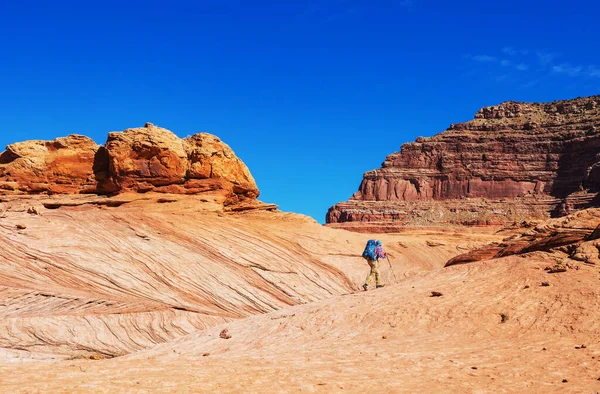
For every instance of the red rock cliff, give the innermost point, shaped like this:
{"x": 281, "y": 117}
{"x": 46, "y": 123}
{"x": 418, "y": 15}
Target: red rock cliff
{"x": 142, "y": 159}
{"x": 513, "y": 160}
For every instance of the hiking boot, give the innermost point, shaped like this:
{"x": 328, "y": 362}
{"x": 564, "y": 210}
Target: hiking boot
{"x": 365, "y": 287}
{"x": 378, "y": 286}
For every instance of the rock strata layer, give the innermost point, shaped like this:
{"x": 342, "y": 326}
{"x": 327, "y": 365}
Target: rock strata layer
{"x": 574, "y": 238}
{"x": 513, "y": 161}
{"x": 146, "y": 159}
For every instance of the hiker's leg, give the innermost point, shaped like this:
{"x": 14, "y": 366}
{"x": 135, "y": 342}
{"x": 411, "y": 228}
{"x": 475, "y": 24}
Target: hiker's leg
{"x": 377, "y": 274}
{"x": 371, "y": 273}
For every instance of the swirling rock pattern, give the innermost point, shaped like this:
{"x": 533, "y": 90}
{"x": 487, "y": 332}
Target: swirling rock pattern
{"x": 494, "y": 329}
{"x": 106, "y": 277}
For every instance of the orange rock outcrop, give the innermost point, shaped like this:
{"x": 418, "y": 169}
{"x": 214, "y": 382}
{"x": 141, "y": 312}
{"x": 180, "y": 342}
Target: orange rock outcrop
{"x": 145, "y": 159}
{"x": 64, "y": 165}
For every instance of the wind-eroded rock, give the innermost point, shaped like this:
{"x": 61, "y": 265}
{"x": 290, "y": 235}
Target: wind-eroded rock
{"x": 524, "y": 160}
{"x": 88, "y": 278}
{"x": 60, "y": 166}
{"x": 142, "y": 159}
{"x": 573, "y": 237}
{"x": 151, "y": 158}
{"x": 210, "y": 158}
{"x": 114, "y": 275}
{"x": 495, "y": 329}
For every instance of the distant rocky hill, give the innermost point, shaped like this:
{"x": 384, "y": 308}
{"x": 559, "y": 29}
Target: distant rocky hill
{"x": 514, "y": 161}
{"x": 139, "y": 160}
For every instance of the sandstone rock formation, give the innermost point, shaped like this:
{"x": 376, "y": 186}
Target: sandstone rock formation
{"x": 572, "y": 238}
{"x": 60, "y": 166}
{"x": 139, "y": 160}
{"x": 130, "y": 291}
{"x": 513, "y": 161}
{"x": 494, "y": 330}
{"x": 97, "y": 276}
{"x": 143, "y": 159}
{"x": 154, "y": 159}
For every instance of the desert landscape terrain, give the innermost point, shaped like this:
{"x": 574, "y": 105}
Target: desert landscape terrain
{"x": 148, "y": 264}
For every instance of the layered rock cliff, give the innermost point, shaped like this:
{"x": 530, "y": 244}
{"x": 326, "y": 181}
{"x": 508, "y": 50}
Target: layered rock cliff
{"x": 513, "y": 161}
{"x": 138, "y": 160}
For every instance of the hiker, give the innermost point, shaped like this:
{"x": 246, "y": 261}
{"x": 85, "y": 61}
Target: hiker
{"x": 373, "y": 252}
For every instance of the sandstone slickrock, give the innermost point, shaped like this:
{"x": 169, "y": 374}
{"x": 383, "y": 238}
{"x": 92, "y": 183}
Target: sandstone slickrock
{"x": 570, "y": 238}
{"x": 513, "y": 161}
{"x": 431, "y": 343}
{"x": 145, "y": 159}
{"x": 114, "y": 275}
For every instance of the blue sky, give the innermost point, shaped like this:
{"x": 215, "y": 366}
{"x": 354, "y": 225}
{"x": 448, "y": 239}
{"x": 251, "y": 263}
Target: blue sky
{"x": 310, "y": 94}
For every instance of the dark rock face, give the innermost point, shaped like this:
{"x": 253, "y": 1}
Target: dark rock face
{"x": 512, "y": 161}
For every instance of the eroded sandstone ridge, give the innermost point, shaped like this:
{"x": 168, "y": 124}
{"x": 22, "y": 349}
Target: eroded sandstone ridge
{"x": 573, "y": 238}
{"x": 146, "y": 159}
{"x": 513, "y": 161}
{"x": 93, "y": 276}
{"x": 182, "y": 312}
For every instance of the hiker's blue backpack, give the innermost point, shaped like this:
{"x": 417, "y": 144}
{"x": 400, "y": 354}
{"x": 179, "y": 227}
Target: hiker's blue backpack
{"x": 369, "y": 252}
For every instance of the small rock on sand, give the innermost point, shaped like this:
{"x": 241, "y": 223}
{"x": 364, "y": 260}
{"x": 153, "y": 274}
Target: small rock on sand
{"x": 557, "y": 268}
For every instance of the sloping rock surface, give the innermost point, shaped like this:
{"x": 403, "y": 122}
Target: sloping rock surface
{"x": 495, "y": 329}
{"x": 104, "y": 277}
{"x": 570, "y": 238}
{"x": 513, "y": 161}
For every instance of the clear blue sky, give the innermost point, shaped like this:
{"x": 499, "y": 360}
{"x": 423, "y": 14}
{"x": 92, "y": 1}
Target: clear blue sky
{"x": 310, "y": 94}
